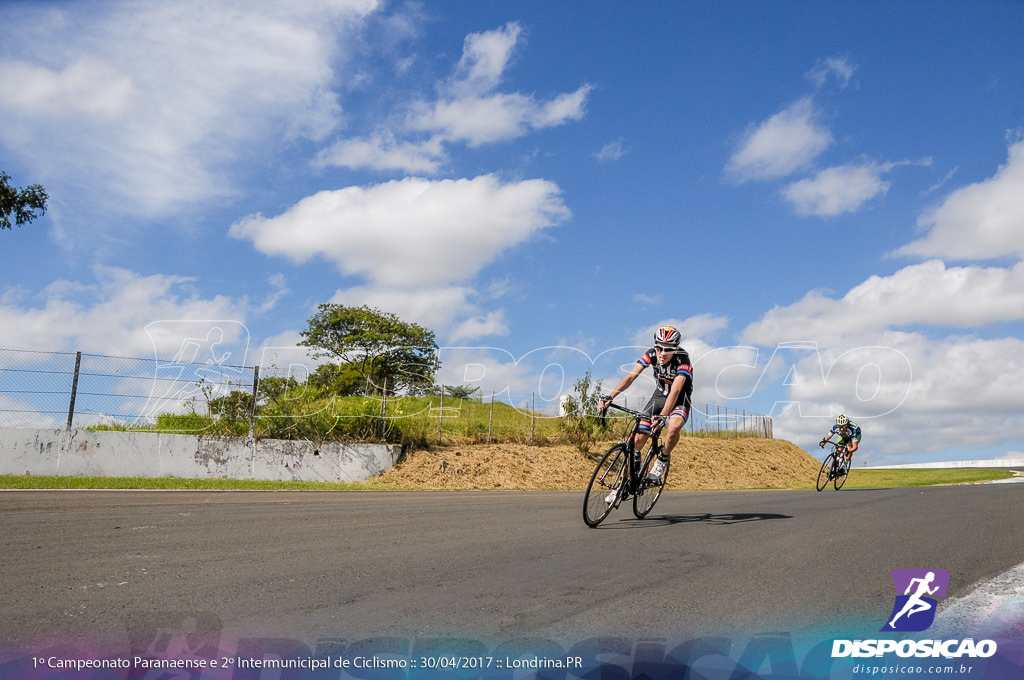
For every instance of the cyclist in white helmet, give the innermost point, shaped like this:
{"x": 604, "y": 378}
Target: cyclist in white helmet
{"x": 849, "y": 435}
{"x": 670, "y": 403}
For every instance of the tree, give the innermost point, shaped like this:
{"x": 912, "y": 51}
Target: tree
{"x": 580, "y": 424}
{"x": 22, "y": 204}
{"x": 343, "y": 380}
{"x": 233, "y": 407}
{"x": 460, "y": 391}
{"x": 385, "y": 350}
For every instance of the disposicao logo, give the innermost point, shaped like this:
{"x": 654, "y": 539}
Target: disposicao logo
{"x": 915, "y": 608}
{"x": 912, "y": 612}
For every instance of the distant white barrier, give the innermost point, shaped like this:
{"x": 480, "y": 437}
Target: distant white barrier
{"x": 993, "y": 463}
{"x": 27, "y": 451}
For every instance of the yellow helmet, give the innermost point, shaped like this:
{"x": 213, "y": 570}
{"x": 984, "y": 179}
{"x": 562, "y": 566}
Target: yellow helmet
{"x": 842, "y": 421}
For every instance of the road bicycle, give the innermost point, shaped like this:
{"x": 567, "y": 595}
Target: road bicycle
{"x": 622, "y": 473}
{"x": 834, "y": 469}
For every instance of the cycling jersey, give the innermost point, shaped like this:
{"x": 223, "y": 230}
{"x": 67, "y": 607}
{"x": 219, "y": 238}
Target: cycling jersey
{"x": 664, "y": 375}
{"x": 853, "y": 432}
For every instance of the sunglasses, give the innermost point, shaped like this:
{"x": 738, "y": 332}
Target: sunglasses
{"x": 666, "y": 350}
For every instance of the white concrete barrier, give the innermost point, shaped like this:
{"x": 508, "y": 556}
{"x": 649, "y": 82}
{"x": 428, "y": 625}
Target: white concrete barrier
{"x": 26, "y": 451}
{"x": 992, "y": 463}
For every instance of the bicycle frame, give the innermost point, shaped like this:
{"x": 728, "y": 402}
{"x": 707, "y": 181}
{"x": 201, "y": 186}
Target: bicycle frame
{"x": 837, "y": 469}
{"x": 636, "y": 464}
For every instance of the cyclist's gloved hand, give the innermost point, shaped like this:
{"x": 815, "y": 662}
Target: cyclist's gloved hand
{"x": 822, "y": 443}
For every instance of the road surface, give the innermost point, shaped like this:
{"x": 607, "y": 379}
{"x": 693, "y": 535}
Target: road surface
{"x": 118, "y": 567}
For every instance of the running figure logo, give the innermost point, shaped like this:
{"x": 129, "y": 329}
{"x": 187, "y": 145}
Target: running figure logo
{"x": 914, "y": 609}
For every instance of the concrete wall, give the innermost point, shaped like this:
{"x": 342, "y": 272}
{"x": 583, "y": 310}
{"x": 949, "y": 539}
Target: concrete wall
{"x": 993, "y": 463}
{"x": 148, "y": 454}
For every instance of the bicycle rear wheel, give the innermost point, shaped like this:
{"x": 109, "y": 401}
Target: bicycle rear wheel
{"x": 823, "y": 474}
{"x": 844, "y": 472}
{"x": 649, "y": 492}
{"x": 607, "y": 479}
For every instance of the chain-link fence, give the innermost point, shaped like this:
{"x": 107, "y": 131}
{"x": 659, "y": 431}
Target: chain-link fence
{"x": 54, "y": 390}
{"x": 75, "y": 389}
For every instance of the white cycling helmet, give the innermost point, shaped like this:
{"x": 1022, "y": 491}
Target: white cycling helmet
{"x": 667, "y": 335}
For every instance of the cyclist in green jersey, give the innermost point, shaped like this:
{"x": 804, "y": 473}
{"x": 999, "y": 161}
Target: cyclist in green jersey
{"x": 849, "y": 435}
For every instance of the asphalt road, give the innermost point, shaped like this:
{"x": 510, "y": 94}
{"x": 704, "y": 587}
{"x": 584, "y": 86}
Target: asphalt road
{"x": 88, "y": 566}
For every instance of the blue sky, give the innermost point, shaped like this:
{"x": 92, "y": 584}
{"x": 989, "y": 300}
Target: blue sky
{"x": 827, "y": 198}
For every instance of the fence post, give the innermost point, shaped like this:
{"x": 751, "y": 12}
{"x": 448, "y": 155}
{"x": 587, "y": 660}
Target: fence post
{"x": 440, "y": 418}
{"x": 74, "y": 388}
{"x": 490, "y": 420}
{"x": 384, "y": 410}
{"x": 255, "y": 394}
{"x": 532, "y": 417}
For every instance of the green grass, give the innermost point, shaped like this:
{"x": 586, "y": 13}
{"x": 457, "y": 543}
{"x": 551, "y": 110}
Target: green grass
{"x": 859, "y": 479}
{"x": 880, "y": 479}
{"x": 410, "y": 421}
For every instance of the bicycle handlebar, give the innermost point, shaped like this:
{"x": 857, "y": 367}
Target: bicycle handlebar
{"x": 636, "y": 414}
{"x": 615, "y": 406}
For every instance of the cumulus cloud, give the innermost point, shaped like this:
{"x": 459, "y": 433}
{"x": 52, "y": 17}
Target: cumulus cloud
{"x": 787, "y": 142}
{"x": 979, "y": 221}
{"x": 485, "y": 56}
{"x": 960, "y": 391}
{"x": 412, "y": 232}
{"x": 452, "y": 311}
{"x": 861, "y": 354}
{"x": 929, "y": 293}
{"x": 111, "y": 315}
{"x": 467, "y": 109}
{"x": 837, "y": 190}
{"x": 165, "y": 96}
{"x": 384, "y": 152}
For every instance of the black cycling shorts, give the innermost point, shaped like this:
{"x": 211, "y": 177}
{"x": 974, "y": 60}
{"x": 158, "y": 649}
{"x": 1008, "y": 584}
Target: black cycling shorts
{"x": 654, "y": 407}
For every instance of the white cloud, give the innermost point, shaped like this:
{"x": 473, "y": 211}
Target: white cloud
{"x": 611, "y": 151}
{"x": 647, "y": 300}
{"x": 837, "y": 190}
{"x": 785, "y": 143}
{"x": 384, "y": 152}
{"x": 416, "y": 242}
{"x": 492, "y": 323}
{"x": 468, "y": 109}
{"x": 479, "y": 120}
{"x": 166, "y": 96}
{"x": 959, "y": 391}
{"x": 452, "y": 312}
{"x": 110, "y": 316}
{"x": 849, "y": 356}
{"x": 278, "y": 289}
{"x": 929, "y": 293}
{"x": 412, "y": 232}
{"x": 87, "y": 86}
{"x": 485, "y": 56}
{"x": 980, "y": 221}
{"x": 838, "y": 67}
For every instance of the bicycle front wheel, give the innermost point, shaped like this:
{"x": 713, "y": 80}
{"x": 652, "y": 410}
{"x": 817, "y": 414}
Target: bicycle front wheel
{"x": 649, "y": 492}
{"x": 823, "y": 474}
{"x": 843, "y": 473}
{"x": 605, "y": 486}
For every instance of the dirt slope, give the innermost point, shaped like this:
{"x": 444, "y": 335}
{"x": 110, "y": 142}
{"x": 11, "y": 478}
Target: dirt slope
{"x": 697, "y": 463}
